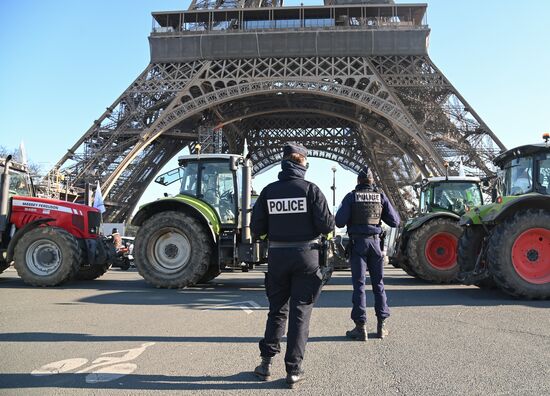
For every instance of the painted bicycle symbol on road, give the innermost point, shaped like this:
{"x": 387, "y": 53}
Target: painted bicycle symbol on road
{"x": 103, "y": 369}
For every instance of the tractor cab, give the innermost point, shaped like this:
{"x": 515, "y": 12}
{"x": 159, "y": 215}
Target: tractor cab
{"x": 524, "y": 170}
{"x": 20, "y": 182}
{"x": 449, "y": 194}
{"x": 211, "y": 178}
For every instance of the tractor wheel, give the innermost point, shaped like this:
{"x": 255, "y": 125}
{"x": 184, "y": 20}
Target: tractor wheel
{"x": 519, "y": 254}
{"x": 172, "y": 249}
{"x": 47, "y": 256}
{"x": 469, "y": 248}
{"x": 212, "y": 272}
{"x": 404, "y": 265}
{"x": 432, "y": 250}
{"x": 92, "y": 272}
{"x": 3, "y": 263}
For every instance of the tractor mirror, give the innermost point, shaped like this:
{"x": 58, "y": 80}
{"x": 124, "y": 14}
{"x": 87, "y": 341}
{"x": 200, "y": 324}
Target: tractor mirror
{"x": 234, "y": 163}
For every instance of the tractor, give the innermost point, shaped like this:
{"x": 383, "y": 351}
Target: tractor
{"x": 49, "y": 241}
{"x": 191, "y": 237}
{"x": 426, "y": 245}
{"x": 507, "y": 242}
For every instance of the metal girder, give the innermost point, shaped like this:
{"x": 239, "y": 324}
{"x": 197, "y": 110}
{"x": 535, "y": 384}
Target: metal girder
{"x": 397, "y": 114}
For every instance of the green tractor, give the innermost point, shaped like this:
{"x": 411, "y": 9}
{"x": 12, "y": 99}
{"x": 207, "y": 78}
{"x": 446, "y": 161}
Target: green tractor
{"x": 507, "y": 243}
{"x": 189, "y": 238}
{"x": 426, "y": 245}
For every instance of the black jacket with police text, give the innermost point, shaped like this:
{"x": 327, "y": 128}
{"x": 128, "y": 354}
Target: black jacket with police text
{"x": 291, "y": 209}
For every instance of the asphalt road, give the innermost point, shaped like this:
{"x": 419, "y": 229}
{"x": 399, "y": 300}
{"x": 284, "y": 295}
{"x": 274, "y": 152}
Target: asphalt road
{"x": 118, "y": 336}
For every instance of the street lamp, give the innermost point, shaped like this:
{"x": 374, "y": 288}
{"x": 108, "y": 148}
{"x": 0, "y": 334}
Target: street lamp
{"x": 333, "y": 188}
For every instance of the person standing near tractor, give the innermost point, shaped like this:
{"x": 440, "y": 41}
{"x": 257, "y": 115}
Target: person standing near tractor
{"x": 362, "y": 211}
{"x": 117, "y": 239}
{"x": 293, "y": 213}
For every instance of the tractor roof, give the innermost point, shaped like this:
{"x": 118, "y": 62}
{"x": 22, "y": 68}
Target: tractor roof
{"x": 471, "y": 179}
{"x": 207, "y": 156}
{"x": 519, "y": 152}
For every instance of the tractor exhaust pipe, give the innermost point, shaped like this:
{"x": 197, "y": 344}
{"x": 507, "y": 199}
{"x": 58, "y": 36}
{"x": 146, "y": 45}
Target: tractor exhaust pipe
{"x": 5, "y": 184}
{"x": 247, "y": 198}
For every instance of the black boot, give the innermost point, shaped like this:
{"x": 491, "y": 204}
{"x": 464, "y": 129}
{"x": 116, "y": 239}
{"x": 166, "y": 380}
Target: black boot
{"x": 263, "y": 371}
{"x": 293, "y": 379}
{"x": 359, "y": 333}
{"x": 381, "y": 330}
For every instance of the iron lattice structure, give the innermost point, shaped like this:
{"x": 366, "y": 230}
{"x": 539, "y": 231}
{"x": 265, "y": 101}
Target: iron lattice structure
{"x": 387, "y": 106}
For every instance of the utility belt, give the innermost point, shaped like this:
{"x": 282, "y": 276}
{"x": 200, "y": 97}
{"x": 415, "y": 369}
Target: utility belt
{"x": 312, "y": 244}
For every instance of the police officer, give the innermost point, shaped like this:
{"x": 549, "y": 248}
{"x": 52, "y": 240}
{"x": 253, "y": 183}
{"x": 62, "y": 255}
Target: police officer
{"x": 293, "y": 213}
{"x": 361, "y": 211}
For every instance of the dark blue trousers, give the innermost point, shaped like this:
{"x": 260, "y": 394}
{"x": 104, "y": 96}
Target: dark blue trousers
{"x": 366, "y": 254}
{"x": 293, "y": 284}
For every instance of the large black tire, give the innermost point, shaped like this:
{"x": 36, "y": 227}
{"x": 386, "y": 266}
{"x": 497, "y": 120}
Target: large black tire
{"x": 519, "y": 254}
{"x": 92, "y": 272}
{"x": 47, "y": 256}
{"x": 405, "y": 266}
{"x": 172, "y": 249}
{"x": 212, "y": 272}
{"x": 103, "y": 254}
{"x": 469, "y": 248}
{"x": 432, "y": 250}
{"x": 3, "y": 263}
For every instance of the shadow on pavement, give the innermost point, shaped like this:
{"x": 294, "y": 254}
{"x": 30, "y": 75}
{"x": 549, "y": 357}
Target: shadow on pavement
{"x": 244, "y": 380}
{"x": 81, "y": 337}
{"x": 403, "y": 291}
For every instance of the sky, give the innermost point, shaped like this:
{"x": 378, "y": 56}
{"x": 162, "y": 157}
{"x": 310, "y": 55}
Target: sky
{"x": 62, "y": 62}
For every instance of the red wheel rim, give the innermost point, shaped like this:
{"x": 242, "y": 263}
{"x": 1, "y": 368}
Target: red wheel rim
{"x": 531, "y": 255}
{"x": 441, "y": 250}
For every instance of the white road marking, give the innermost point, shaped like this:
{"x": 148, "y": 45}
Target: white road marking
{"x": 61, "y": 366}
{"x": 246, "y": 306}
{"x": 103, "y": 369}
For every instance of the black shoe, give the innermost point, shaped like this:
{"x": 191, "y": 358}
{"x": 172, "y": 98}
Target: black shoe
{"x": 381, "y": 330}
{"x": 263, "y": 371}
{"x": 359, "y": 333}
{"x": 293, "y": 379}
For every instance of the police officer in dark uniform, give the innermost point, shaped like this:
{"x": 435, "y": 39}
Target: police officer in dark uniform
{"x": 362, "y": 211}
{"x": 293, "y": 213}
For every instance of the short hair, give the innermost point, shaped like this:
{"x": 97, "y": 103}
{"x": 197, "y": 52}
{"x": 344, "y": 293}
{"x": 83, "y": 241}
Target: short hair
{"x": 295, "y": 157}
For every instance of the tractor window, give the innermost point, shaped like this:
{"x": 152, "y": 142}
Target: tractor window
{"x": 455, "y": 196}
{"x": 544, "y": 175}
{"x": 19, "y": 183}
{"x": 217, "y": 185}
{"x": 188, "y": 178}
{"x": 425, "y": 199}
{"x": 518, "y": 176}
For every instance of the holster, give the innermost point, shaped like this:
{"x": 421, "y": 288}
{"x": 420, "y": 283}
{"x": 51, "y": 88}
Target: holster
{"x": 382, "y": 240}
{"x": 323, "y": 252}
{"x": 347, "y": 248}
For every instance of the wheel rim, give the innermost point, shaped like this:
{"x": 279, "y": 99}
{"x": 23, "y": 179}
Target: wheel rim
{"x": 169, "y": 250}
{"x": 531, "y": 255}
{"x": 43, "y": 257}
{"x": 441, "y": 250}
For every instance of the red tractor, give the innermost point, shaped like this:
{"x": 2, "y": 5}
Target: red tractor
{"x": 49, "y": 241}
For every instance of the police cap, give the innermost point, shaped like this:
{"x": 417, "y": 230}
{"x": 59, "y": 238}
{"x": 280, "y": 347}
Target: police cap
{"x": 293, "y": 147}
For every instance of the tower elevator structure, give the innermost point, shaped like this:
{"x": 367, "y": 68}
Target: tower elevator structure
{"x": 352, "y": 80}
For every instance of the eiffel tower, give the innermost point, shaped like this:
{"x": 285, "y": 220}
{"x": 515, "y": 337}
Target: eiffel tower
{"x": 350, "y": 79}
